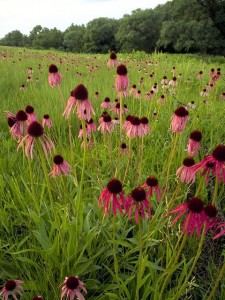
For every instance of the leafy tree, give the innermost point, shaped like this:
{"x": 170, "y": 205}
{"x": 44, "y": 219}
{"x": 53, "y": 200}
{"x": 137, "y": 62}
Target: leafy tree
{"x": 99, "y": 35}
{"x": 73, "y": 38}
{"x": 13, "y": 38}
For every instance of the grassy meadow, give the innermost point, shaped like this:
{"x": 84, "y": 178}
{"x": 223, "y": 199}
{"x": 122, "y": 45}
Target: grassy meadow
{"x": 52, "y": 227}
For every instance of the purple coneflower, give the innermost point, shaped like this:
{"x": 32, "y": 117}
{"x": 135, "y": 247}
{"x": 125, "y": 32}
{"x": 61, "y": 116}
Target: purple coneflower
{"x": 145, "y": 125}
{"x": 71, "y": 288}
{"x": 106, "y": 125}
{"x": 179, "y": 119}
{"x": 135, "y": 128}
{"x": 54, "y": 77}
{"x": 138, "y": 199}
{"x": 106, "y": 103}
{"x": 38, "y": 298}
{"x": 186, "y": 172}
{"x": 200, "y": 74}
{"x": 31, "y": 116}
{"x": 113, "y": 60}
{"x": 60, "y": 166}
{"x": 36, "y": 131}
{"x": 19, "y": 128}
{"x": 112, "y": 195}
{"x": 11, "y": 287}
{"x": 46, "y": 121}
{"x": 91, "y": 127}
{"x": 194, "y": 142}
{"x": 222, "y": 232}
{"x": 122, "y": 80}
{"x": 152, "y": 186}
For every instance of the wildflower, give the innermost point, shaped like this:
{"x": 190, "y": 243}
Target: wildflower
{"x": 173, "y": 82}
{"x": 138, "y": 94}
{"x": 133, "y": 89}
{"x": 191, "y": 104}
{"x": 135, "y": 128}
{"x": 200, "y": 74}
{"x": 113, "y": 60}
{"x": 96, "y": 95}
{"x": 71, "y": 288}
{"x": 19, "y": 128}
{"x": 216, "y": 161}
{"x": 210, "y": 212}
{"x": 79, "y": 101}
{"x": 122, "y": 80}
{"x": 31, "y": 116}
{"x": 23, "y": 88}
{"x": 212, "y": 72}
{"x": 91, "y": 127}
{"x": 106, "y": 125}
{"x": 138, "y": 199}
{"x": 194, "y": 142}
{"x": 164, "y": 82}
{"x": 161, "y": 100}
{"x": 117, "y": 110}
{"x": 81, "y": 132}
{"x": 150, "y": 95}
{"x": 38, "y": 298}
{"x": 179, "y": 119}
{"x": 35, "y": 131}
{"x": 46, "y": 121}
{"x": 112, "y": 195}
{"x": 222, "y": 96}
{"x": 11, "y": 287}
{"x": 151, "y": 185}
{"x": 124, "y": 148}
{"x": 60, "y": 166}
{"x": 222, "y": 232}
{"x": 186, "y": 172}
{"x": 195, "y": 217}
{"x": 106, "y": 103}
{"x": 54, "y": 77}
{"x": 204, "y": 93}
{"x": 145, "y": 125}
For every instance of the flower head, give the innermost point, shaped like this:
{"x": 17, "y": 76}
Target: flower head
{"x": 71, "y": 288}
{"x": 179, "y": 119}
{"x": 54, "y": 77}
{"x": 46, "y": 121}
{"x": 151, "y": 186}
{"x": 11, "y": 287}
{"x": 60, "y": 166}
{"x": 122, "y": 80}
{"x": 194, "y": 142}
{"x": 186, "y": 172}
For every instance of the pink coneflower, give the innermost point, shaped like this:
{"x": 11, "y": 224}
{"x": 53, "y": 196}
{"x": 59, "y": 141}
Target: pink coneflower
{"x": 38, "y": 298}
{"x": 116, "y": 120}
{"x": 222, "y": 96}
{"x": 173, "y": 82}
{"x": 191, "y": 104}
{"x": 89, "y": 143}
{"x": 54, "y": 77}
{"x": 91, "y": 127}
{"x": 217, "y": 161}
{"x": 216, "y": 77}
{"x": 155, "y": 88}
{"x": 123, "y": 148}
{"x": 23, "y": 88}
{"x": 222, "y": 232}
{"x": 152, "y": 186}
{"x": 117, "y": 109}
{"x": 211, "y": 220}
{"x": 70, "y": 106}
{"x": 106, "y": 103}
{"x": 133, "y": 90}
{"x": 106, "y": 125}
{"x": 113, "y": 60}
{"x": 200, "y": 74}
{"x": 164, "y": 82}
{"x": 60, "y": 166}
{"x": 138, "y": 94}
{"x": 83, "y": 104}
{"x": 204, "y": 93}
{"x": 36, "y": 131}
{"x": 138, "y": 199}
{"x": 81, "y": 132}
{"x": 46, "y": 121}
{"x": 112, "y": 195}
{"x": 195, "y": 216}
{"x": 11, "y": 287}
{"x": 96, "y": 95}
{"x": 135, "y": 128}
{"x": 31, "y": 116}
{"x": 150, "y": 95}
{"x": 161, "y": 100}
{"x": 186, "y": 172}
{"x": 126, "y": 110}
{"x": 179, "y": 119}
{"x": 122, "y": 80}
{"x": 145, "y": 125}
{"x": 194, "y": 142}
{"x": 100, "y": 120}
{"x": 71, "y": 288}
{"x": 127, "y": 124}
{"x": 19, "y": 128}
{"x": 212, "y": 72}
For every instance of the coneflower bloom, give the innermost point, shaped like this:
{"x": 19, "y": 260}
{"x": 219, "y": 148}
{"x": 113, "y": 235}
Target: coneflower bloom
{"x": 106, "y": 103}
{"x": 222, "y": 232}
{"x": 31, "y": 116}
{"x": 194, "y": 142}
{"x": 19, "y": 128}
{"x": 23, "y": 88}
{"x": 152, "y": 186}
{"x": 135, "y": 128}
{"x": 124, "y": 148}
{"x": 122, "y": 81}
{"x": 164, "y": 82}
{"x": 222, "y": 96}
{"x": 186, "y": 172}
{"x": 117, "y": 109}
{"x": 211, "y": 220}
{"x": 113, "y": 60}
{"x": 100, "y": 120}
{"x": 71, "y": 288}
{"x": 89, "y": 143}
{"x": 126, "y": 110}
{"x": 106, "y": 125}
{"x": 204, "y": 93}
{"x": 161, "y": 100}
{"x": 60, "y": 166}
{"x": 195, "y": 218}
{"x": 81, "y": 132}
{"x": 150, "y": 95}
{"x": 36, "y": 131}
{"x": 138, "y": 199}
{"x": 216, "y": 77}
{"x": 46, "y": 121}
{"x": 91, "y": 127}
{"x": 200, "y": 74}
{"x": 11, "y": 288}
{"x": 112, "y": 196}
{"x": 70, "y": 106}
{"x": 133, "y": 89}
{"x": 217, "y": 161}
{"x": 82, "y": 103}
{"x": 38, "y": 298}
{"x": 212, "y": 72}
{"x": 145, "y": 125}
{"x": 138, "y": 94}
{"x": 54, "y": 77}
{"x": 173, "y": 82}
{"x": 179, "y": 119}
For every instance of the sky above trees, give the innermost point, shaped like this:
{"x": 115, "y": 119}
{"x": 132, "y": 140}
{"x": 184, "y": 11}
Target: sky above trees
{"x": 23, "y": 15}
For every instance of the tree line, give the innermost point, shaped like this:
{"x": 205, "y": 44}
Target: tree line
{"x": 177, "y": 26}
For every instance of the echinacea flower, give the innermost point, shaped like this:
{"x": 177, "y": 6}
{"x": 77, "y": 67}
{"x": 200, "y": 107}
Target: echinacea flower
{"x": 36, "y": 132}
{"x": 54, "y": 77}
{"x": 38, "y": 298}
{"x": 11, "y": 287}
{"x": 138, "y": 199}
{"x": 152, "y": 186}
{"x": 91, "y": 127}
{"x": 106, "y": 103}
{"x": 113, "y": 60}
{"x": 222, "y": 232}
{"x": 195, "y": 218}
{"x": 60, "y": 166}
{"x": 122, "y": 80}
{"x": 31, "y": 116}
{"x": 216, "y": 161}
{"x": 179, "y": 119}
{"x": 194, "y": 142}
{"x": 112, "y": 195}
{"x": 71, "y": 288}
{"x": 106, "y": 125}
{"x": 79, "y": 100}
{"x": 46, "y": 121}
{"x": 135, "y": 129}
{"x": 145, "y": 125}
{"x": 173, "y": 82}
{"x": 200, "y": 74}
{"x": 19, "y": 128}
{"x": 186, "y": 172}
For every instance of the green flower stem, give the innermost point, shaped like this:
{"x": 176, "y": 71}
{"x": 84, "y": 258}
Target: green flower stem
{"x": 121, "y": 115}
{"x": 216, "y": 188}
{"x": 221, "y": 274}
{"x": 128, "y": 161}
{"x": 140, "y": 269}
{"x": 178, "y": 294}
{"x": 116, "y": 265}
{"x": 200, "y": 185}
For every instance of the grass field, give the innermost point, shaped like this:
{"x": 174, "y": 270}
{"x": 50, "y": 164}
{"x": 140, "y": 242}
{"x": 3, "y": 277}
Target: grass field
{"x": 52, "y": 227}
